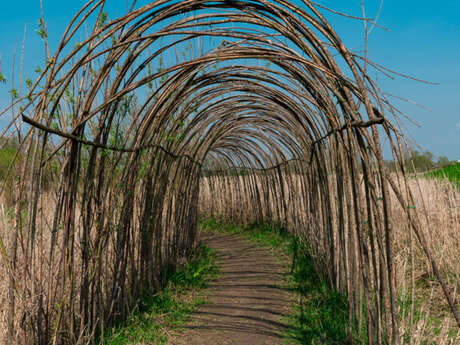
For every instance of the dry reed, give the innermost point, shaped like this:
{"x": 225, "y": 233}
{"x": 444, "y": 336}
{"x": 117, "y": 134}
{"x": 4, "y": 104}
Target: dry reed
{"x": 424, "y": 315}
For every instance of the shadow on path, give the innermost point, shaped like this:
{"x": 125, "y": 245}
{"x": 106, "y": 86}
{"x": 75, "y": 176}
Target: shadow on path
{"x": 246, "y": 303}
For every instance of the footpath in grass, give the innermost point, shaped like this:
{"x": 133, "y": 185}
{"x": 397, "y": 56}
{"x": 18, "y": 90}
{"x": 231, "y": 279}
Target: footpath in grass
{"x": 168, "y": 309}
{"x": 221, "y": 298}
{"x": 320, "y": 315}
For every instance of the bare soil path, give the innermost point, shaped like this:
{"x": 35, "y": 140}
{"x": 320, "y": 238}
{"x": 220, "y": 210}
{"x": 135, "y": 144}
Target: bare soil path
{"x": 246, "y": 303}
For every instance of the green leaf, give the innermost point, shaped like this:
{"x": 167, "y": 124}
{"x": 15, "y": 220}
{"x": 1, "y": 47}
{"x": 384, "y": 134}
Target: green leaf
{"x": 69, "y": 95}
{"x": 41, "y": 29}
{"x": 196, "y": 274}
{"x": 2, "y": 78}
{"x": 103, "y": 19}
{"x": 14, "y": 93}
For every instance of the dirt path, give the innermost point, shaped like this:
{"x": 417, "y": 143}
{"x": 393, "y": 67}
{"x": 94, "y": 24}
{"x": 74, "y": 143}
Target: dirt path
{"x": 246, "y": 302}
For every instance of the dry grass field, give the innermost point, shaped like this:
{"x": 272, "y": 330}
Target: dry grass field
{"x": 428, "y": 319}
{"x": 424, "y": 315}
{"x": 37, "y": 277}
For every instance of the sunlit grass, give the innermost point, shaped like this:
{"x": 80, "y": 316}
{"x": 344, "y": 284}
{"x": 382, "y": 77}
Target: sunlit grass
{"x": 450, "y": 172}
{"x": 169, "y": 308}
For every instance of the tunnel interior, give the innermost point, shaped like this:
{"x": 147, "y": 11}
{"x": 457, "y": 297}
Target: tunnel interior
{"x": 248, "y": 111}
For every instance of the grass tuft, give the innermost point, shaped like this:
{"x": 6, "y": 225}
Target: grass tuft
{"x": 169, "y": 308}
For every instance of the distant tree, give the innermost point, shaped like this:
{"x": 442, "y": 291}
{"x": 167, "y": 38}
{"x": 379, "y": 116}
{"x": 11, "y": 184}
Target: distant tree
{"x": 420, "y": 161}
{"x": 442, "y": 161}
{"x": 429, "y": 156}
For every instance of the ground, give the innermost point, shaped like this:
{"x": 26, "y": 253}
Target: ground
{"x": 249, "y": 301}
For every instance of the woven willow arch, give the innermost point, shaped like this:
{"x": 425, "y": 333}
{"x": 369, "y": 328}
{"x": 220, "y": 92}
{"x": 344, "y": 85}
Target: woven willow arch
{"x": 134, "y": 154}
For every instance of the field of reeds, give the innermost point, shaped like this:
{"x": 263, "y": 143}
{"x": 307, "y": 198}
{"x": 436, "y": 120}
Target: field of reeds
{"x": 100, "y": 262}
{"x": 425, "y": 317}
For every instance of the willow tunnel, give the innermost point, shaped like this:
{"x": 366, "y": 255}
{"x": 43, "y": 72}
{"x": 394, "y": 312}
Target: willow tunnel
{"x": 252, "y": 111}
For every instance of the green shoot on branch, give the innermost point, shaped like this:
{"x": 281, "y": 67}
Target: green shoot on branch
{"x": 41, "y": 29}
{"x": 14, "y": 93}
{"x": 103, "y": 19}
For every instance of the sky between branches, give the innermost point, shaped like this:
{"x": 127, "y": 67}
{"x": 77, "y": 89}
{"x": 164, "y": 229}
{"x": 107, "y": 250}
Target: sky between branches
{"x": 423, "y": 41}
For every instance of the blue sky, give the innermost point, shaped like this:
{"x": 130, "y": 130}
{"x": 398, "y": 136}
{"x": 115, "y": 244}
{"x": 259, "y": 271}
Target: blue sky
{"x": 423, "y": 41}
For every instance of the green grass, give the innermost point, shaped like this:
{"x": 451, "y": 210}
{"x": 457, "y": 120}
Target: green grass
{"x": 450, "y": 172}
{"x": 169, "y": 308}
{"x": 7, "y": 154}
{"x": 321, "y": 316}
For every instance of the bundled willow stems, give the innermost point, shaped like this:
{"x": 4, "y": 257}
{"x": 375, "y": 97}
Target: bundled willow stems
{"x": 258, "y": 105}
